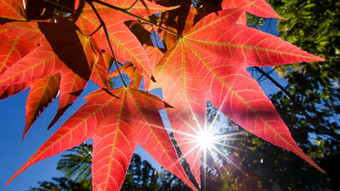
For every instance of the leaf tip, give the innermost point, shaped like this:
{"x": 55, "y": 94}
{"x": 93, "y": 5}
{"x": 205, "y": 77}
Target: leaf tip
{"x": 317, "y": 59}
{"x": 27, "y": 127}
{"x": 10, "y": 180}
{"x": 166, "y": 105}
{"x": 321, "y": 59}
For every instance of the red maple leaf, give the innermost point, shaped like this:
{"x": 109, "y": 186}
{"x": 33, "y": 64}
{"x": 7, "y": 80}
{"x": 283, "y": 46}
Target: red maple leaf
{"x": 118, "y": 120}
{"x": 209, "y": 63}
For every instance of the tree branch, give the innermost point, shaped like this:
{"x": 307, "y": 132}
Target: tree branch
{"x": 136, "y": 16}
{"x": 290, "y": 97}
{"x": 107, "y": 38}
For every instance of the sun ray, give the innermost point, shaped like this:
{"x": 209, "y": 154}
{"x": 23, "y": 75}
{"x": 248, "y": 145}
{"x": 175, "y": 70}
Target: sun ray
{"x": 229, "y": 160}
{"x": 211, "y": 140}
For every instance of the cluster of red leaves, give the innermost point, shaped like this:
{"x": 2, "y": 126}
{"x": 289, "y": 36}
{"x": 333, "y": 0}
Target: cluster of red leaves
{"x": 56, "y": 47}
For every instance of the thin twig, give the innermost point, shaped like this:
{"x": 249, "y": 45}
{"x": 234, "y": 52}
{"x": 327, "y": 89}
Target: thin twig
{"x": 107, "y": 38}
{"x": 128, "y": 9}
{"x": 60, "y": 5}
{"x": 136, "y": 16}
{"x": 290, "y": 97}
{"x": 95, "y": 30}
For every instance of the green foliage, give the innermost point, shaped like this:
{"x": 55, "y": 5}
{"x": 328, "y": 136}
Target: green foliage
{"x": 77, "y": 164}
{"x": 60, "y": 184}
{"x": 314, "y": 26}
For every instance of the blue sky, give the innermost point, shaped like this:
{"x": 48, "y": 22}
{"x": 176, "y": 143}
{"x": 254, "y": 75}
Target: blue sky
{"x": 14, "y": 152}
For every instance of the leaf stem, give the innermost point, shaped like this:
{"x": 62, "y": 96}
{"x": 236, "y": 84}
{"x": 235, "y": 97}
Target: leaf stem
{"x": 59, "y": 5}
{"x": 136, "y": 16}
{"x": 107, "y": 38}
{"x": 95, "y": 30}
{"x": 128, "y": 9}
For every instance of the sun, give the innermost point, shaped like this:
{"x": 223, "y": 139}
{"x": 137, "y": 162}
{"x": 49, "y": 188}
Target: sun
{"x": 205, "y": 139}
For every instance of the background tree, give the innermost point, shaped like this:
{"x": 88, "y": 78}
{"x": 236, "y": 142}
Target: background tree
{"x": 76, "y": 168}
{"x": 314, "y": 88}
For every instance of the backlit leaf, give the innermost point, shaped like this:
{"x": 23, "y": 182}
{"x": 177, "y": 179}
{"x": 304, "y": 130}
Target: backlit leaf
{"x": 209, "y": 63}
{"x": 42, "y": 93}
{"x": 51, "y": 58}
{"x": 118, "y": 120}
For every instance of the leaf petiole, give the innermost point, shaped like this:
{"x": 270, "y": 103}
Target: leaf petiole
{"x": 59, "y": 5}
{"x": 102, "y": 23}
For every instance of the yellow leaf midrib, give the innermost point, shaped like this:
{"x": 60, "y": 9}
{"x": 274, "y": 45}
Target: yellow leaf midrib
{"x": 114, "y": 142}
{"x": 30, "y": 68}
{"x": 42, "y": 96}
{"x": 10, "y": 53}
{"x": 155, "y": 135}
{"x": 249, "y": 47}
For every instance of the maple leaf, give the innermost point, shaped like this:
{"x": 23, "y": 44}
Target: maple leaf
{"x": 135, "y": 77}
{"x": 72, "y": 81}
{"x": 118, "y": 120}
{"x": 13, "y": 48}
{"x": 209, "y": 63}
{"x": 42, "y": 93}
{"x": 125, "y": 45}
{"x": 51, "y": 58}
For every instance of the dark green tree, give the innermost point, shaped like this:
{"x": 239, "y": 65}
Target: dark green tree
{"x": 76, "y": 167}
{"x": 308, "y": 100}
{"x": 60, "y": 184}
{"x": 313, "y": 113}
